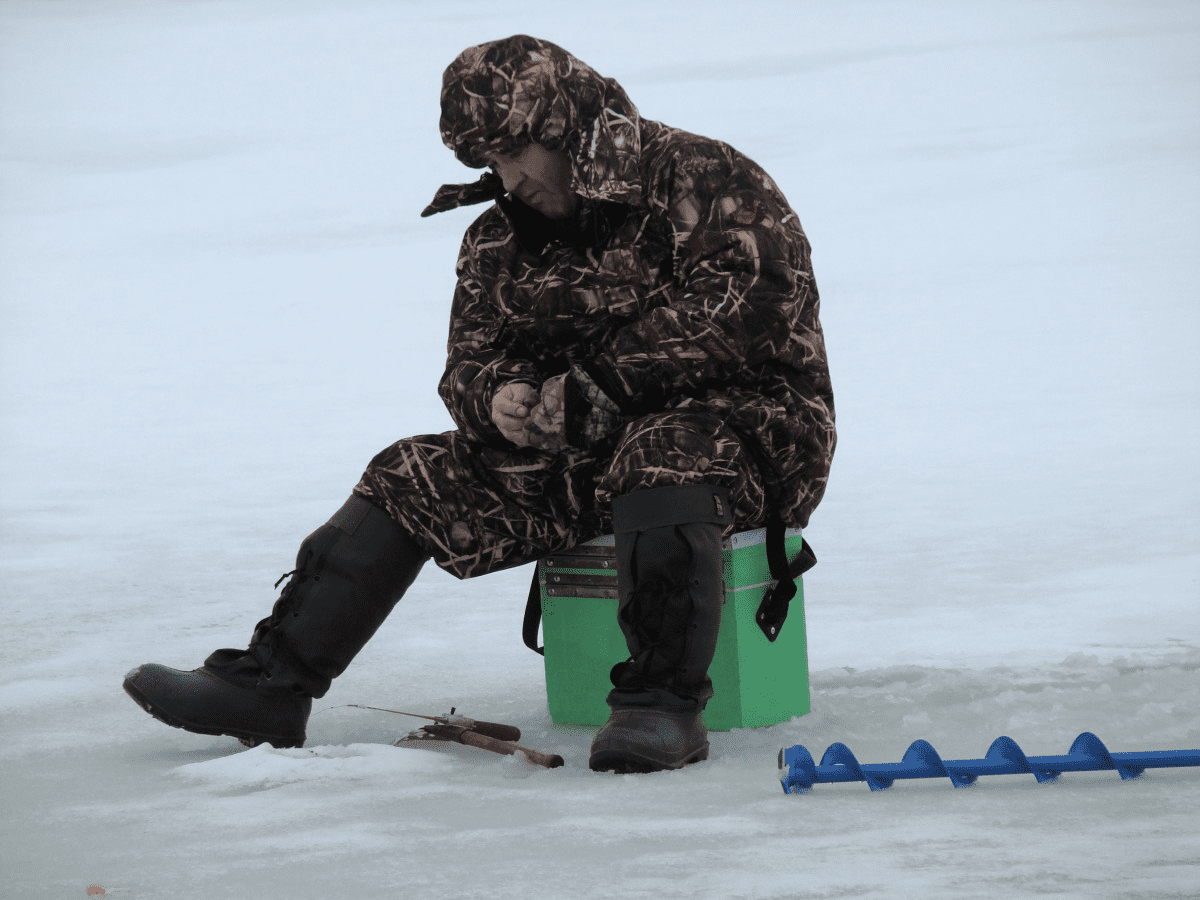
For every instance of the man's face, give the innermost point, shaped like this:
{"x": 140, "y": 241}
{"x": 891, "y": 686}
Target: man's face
{"x": 539, "y": 177}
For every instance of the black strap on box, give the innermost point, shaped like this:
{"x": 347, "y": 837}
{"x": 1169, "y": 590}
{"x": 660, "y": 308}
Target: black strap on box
{"x": 773, "y": 610}
{"x": 533, "y": 614}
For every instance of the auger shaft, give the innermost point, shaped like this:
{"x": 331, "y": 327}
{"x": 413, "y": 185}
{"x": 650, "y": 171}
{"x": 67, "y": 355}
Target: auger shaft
{"x": 1087, "y": 754}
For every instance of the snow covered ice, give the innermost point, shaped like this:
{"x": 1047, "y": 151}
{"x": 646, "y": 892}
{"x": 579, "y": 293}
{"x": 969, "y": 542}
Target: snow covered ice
{"x": 217, "y": 302}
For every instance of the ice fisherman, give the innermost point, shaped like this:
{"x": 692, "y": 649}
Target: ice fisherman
{"x": 634, "y": 349}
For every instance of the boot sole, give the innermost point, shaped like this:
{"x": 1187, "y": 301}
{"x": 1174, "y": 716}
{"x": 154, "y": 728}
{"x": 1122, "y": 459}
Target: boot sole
{"x": 249, "y": 739}
{"x": 625, "y": 763}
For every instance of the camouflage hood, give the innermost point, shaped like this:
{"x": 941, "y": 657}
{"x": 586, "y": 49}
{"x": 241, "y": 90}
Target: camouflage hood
{"x": 499, "y": 96}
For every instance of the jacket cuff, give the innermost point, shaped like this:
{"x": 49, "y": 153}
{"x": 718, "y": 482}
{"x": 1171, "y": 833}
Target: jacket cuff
{"x": 599, "y": 376}
{"x": 591, "y": 415}
{"x": 591, "y": 390}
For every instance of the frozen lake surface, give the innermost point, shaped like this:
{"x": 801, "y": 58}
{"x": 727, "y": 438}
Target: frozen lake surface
{"x": 217, "y": 302}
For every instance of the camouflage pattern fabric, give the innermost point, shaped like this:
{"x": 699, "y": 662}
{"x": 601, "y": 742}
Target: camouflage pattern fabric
{"x": 682, "y": 297}
{"x": 477, "y": 509}
{"x": 500, "y": 96}
{"x": 452, "y": 196}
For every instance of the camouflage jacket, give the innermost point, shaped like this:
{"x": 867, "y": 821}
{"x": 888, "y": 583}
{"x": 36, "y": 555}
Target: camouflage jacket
{"x": 686, "y": 279}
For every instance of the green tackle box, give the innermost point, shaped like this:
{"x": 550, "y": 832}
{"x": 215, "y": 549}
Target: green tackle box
{"x": 755, "y": 682}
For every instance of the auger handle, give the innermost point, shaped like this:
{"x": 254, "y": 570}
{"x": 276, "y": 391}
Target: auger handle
{"x": 484, "y": 742}
{"x": 494, "y": 730}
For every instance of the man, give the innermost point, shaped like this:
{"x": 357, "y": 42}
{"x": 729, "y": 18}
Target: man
{"x": 634, "y": 348}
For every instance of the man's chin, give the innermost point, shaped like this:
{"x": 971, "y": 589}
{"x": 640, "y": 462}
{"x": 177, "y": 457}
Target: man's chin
{"x": 557, "y": 210}
{"x": 552, "y": 207}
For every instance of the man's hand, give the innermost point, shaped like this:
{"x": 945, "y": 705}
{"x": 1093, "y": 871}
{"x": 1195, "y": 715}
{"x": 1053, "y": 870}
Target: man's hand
{"x": 546, "y": 427}
{"x": 511, "y": 406}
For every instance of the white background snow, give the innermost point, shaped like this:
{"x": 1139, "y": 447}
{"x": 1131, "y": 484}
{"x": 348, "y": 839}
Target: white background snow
{"x": 218, "y": 302}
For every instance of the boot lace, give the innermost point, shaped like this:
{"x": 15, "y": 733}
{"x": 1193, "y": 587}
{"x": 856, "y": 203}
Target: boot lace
{"x": 261, "y": 642}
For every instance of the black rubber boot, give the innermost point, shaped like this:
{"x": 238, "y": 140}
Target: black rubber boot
{"x": 349, "y": 574}
{"x": 671, "y": 584}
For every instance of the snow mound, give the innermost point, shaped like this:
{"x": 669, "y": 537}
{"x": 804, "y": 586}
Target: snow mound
{"x": 265, "y": 767}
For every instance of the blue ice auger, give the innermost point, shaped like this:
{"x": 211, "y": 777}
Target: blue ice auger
{"x": 1087, "y": 754}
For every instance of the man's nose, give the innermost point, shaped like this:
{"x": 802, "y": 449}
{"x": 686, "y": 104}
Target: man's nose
{"x": 510, "y": 175}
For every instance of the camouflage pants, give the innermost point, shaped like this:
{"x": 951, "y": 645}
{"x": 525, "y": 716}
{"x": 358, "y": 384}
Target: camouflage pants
{"x": 477, "y": 509}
